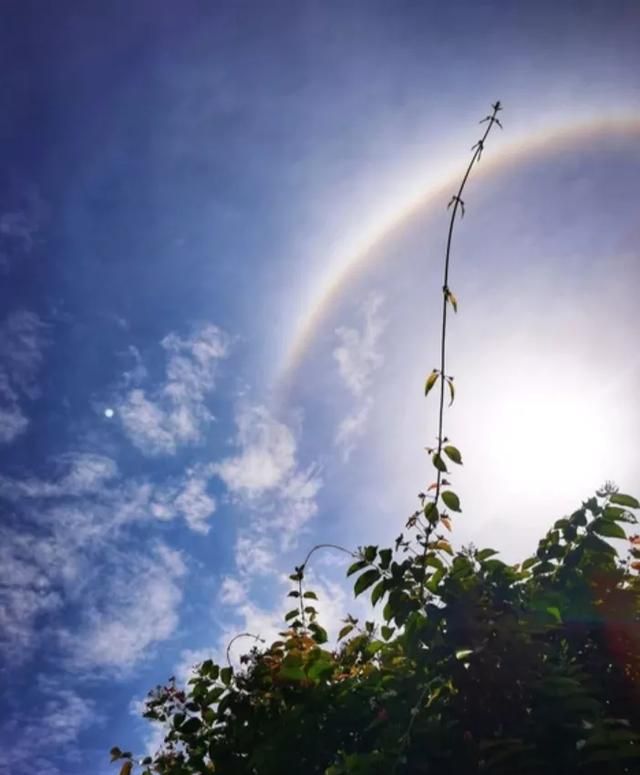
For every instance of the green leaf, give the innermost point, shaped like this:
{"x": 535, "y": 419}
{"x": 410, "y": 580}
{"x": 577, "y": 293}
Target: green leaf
{"x": 608, "y": 529}
{"x": 432, "y": 584}
{"x": 356, "y": 566}
{"x": 378, "y": 592}
{"x": 434, "y": 561}
{"x": 529, "y": 562}
{"x": 555, "y": 612}
{"x": 625, "y": 500}
{"x": 431, "y": 381}
{"x": 366, "y": 580}
{"x": 463, "y": 653}
{"x": 319, "y": 633}
{"x": 443, "y": 546}
{"x": 225, "y": 675}
{"x": 213, "y": 696}
{"x": 206, "y": 667}
{"x": 370, "y": 553}
{"x": 292, "y": 672}
{"x": 293, "y": 593}
{"x": 484, "y": 554}
{"x": 345, "y": 631}
{"x": 451, "y": 500}
{"x": 431, "y": 512}
{"x": 374, "y": 647}
{"x": 579, "y": 518}
{"x": 291, "y": 614}
{"x": 452, "y": 390}
{"x": 387, "y": 632}
{"x": 310, "y": 595}
{"x": 385, "y": 558}
{"x": 320, "y": 669}
{"x": 439, "y": 463}
{"x": 595, "y": 544}
{"x": 618, "y": 514}
{"x": 190, "y": 726}
{"x": 453, "y": 453}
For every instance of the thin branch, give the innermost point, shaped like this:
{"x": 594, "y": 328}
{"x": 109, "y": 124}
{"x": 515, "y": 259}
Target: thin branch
{"x": 326, "y": 546}
{"x": 455, "y": 203}
{"x": 237, "y": 637}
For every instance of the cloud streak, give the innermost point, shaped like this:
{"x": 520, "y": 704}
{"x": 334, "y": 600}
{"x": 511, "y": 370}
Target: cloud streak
{"x": 32, "y": 741}
{"x": 266, "y": 475}
{"x": 76, "y": 549}
{"x": 22, "y": 342}
{"x": 139, "y": 609}
{"x": 174, "y": 413}
{"x": 358, "y": 356}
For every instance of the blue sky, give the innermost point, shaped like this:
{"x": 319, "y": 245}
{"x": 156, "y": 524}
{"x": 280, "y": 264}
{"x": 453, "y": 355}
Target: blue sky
{"x": 182, "y": 185}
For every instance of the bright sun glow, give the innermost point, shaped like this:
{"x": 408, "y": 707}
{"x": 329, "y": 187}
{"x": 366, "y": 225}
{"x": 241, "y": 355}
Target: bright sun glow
{"x": 558, "y": 434}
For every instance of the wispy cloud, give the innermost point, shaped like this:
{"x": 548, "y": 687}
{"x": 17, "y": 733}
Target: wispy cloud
{"x": 352, "y": 427}
{"x": 266, "y": 475}
{"x": 22, "y": 341}
{"x": 266, "y": 454}
{"x": 357, "y": 353}
{"x": 76, "y": 549}
{"x": 20, "y": 225}
{"x": 189, "y": 499}
{"x": 358, "y": 357}
{"x": 160, "y": 419}
{"x": 139, "y": 608}
{"x": 87, "y": 473}
{"x": 255, "y": 554}
{"x": 232, "y": 591}
{"x": 33, "y": 743}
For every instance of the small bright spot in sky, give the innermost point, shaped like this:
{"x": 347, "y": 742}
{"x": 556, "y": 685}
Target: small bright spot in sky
{"x": 108, "y": 412}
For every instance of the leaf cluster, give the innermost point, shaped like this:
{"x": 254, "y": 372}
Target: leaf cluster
{"x": 473, "y": 666}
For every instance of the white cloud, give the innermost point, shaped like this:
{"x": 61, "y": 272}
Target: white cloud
{"x": 267, "y": 454}
{"x": 352, "y": 427}
{"x": 19, "y": 228}
{"x": 87, "y": 473}
{"x": 189, "y": 499}
{"x": 78, "y": 546}
{"x": 196, "y": 505}
{"x": 139, "y": 608}
{"x": 265, "y": 475}
{"x": 358, "y": 357}
{"x": 174, "y": 413}
{"x": 255, "y": 554}
{"x": 232, "y": 591}
{"x": 357, "y": 354}
{"x": 22, "y": 342}
{"x": 30, "y": 742}
{"x": 13, "y": 422}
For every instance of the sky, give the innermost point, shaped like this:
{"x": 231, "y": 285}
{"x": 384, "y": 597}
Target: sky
{"x": 221, "y": 238}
